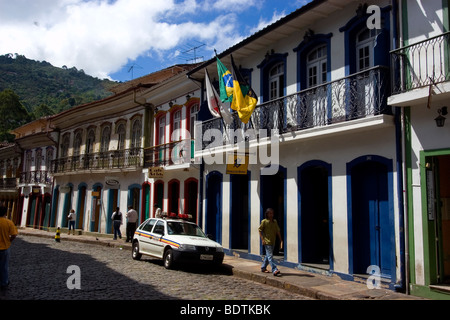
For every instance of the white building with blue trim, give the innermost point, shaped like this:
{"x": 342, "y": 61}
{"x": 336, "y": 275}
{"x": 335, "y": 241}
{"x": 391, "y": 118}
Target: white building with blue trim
{"x": 322, "y": 79}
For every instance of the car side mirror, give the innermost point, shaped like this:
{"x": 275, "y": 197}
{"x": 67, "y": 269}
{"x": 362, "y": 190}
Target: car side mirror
{"x": 210, "y": 237}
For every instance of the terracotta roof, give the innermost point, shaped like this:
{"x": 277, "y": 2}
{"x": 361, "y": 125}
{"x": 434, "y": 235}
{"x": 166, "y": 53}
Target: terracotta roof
{"x": 154, "y": 78}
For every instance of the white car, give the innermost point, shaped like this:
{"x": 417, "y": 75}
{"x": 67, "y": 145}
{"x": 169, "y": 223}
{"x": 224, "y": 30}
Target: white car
{"x": 175, "y": 241}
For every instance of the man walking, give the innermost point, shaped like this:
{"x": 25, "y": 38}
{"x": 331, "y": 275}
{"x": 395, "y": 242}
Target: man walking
{"x": 132, "y": 218}
{"x": 117, "y": 222}
{"x": 268, "y": 231}
{"x": 8, "y": 233}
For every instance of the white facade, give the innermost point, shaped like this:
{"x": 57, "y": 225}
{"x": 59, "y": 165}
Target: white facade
{"x": 333, "y": 122}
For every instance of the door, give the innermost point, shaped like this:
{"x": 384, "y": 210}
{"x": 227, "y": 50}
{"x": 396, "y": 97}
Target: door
{"x": 438, "y": 211}
{"x": 371, "y": 230}
{"x": 273, "y": 196}
{"x": 144, "y": 238}
{"x": 314, "y": 219}
{"x": 156, "y": 247}
{"x": 191, "y": 198}
{"x": 239, "y": 211}
{"x": 159, "y": 195}
{"x": 214, "y": 206}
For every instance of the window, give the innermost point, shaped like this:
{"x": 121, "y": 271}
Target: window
{"x": 136, "y": 134}
{"x": 65, "y": 145}
{"x": 49, "y": 158}
{"x": 162, "y": 130}
{"x": 193, "y": 118}
{"x": 317, "y": 66}
{"x": 121, "y": 136}
{"x": 77, "y": 144}
{"x": 149, "y": 225}
{"x": 365, "y": 40}
{"x": 176, "y": 129}
{"x": 38, "y": 160}
{"x": 276, "y": 81}
{"x": 106, "y": 136}
{"x": 159, "y": 228}
{"x": 90, "y": 141}
{"x": 27, "y": 161}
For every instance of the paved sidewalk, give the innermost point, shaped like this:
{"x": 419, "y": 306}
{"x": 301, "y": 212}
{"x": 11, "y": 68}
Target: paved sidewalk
{"x": 313, "y": 285}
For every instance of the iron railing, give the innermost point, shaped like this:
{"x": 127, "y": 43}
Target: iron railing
{"x": 117, "y": 159}
{"x": 8, "y": 183}
{"x": 36, "y": 177}
{"x": 357, "y": 96}
{"x": 174, "y": 153}
{"x": 421, "y": 64}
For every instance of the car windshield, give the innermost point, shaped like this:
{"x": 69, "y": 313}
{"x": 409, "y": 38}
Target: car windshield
{"x": 185, "y": 229}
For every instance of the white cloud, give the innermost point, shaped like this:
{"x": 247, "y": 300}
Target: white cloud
{"x": 101, "y": 36}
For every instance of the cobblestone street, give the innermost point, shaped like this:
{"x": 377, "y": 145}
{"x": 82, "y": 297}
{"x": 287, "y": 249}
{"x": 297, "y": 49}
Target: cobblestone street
{"x": 38, "y": 271}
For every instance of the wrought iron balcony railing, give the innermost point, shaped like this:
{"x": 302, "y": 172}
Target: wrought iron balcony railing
{"x": 174, "y": 153}
{"x": 8, "y": 183}
{"x": 36, "y": 177}
{"x": 421, "y": 64}
{"x": 357, "y": 96}
{"x": 117, "y": 159}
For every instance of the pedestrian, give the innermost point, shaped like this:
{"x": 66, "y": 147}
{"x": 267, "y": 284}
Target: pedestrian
{"x": 158, "y": 212}
{"x": 132, "y": 218}
{"x": 268, "y": 231}
{"x": 117, "y": 220}
{"x": 8, "y": 233}
{"x": 72, "y": 217}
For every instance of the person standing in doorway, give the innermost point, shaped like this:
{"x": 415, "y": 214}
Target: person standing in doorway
{"x": 8, "y": 233}
{"x": 268, "y": 231}
{"x": 117, "y": 220}
{"x": 132, "y": 218}
{"x": 158, "y": 212}
{"x": 72, "y": 217}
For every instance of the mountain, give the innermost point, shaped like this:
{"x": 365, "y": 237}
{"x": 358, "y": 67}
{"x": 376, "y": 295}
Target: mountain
{"x": 43, "y": 87}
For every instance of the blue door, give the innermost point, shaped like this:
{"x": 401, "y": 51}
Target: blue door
{"x": 370, "y": 215}
{"x": 214, "y": 206}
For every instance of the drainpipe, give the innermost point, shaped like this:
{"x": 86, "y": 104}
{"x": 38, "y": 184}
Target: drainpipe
{"x": 400, "y": 127}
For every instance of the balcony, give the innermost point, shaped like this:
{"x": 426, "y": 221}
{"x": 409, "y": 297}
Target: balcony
{"x": 419, "y": 67}
{"x": 421, "y": 64}
{"x": 35, "y": 178}
{"x": 8, "y": 184}
{"x": 128, "y": 159}
{"x": 358, "y": 96}
{"x": 169, "y": 154}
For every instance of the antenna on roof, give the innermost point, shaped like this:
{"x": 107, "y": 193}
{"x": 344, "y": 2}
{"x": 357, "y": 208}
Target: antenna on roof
{"x": 131, "y": 69}
{"x": 191, "y": 54}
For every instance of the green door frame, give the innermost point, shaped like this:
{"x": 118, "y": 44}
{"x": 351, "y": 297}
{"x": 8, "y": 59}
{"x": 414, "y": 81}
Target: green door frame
{"x": 428, "y": 226}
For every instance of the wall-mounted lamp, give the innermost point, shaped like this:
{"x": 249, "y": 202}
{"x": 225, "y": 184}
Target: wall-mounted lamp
{"x": 440, "y": 120}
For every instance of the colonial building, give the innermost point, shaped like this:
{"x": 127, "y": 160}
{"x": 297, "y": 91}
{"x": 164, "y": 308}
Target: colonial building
{"x": 10, "y": 161}
{"x": 421, "y": 87}
{"x": 100, "y": 163}
{"x": 322, "y": 78}
{"x": 171, "y": 175}
{"x": 38, "y": 143}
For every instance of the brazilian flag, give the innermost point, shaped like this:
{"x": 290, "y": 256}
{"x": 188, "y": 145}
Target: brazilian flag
{"x": 225, "y": 82}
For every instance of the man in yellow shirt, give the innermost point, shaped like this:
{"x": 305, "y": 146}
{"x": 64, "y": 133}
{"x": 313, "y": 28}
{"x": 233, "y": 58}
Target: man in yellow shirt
{"x": 8, "y": 233}
{"x": 268, "y": 231}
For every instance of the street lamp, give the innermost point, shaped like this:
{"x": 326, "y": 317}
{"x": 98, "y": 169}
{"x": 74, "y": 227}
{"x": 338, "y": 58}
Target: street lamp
{"x": 440, "y": 120}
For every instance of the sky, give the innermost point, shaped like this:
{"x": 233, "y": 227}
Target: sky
{"x": 125, "y": 39}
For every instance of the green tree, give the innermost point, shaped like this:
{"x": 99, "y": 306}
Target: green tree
{"x": 42, "y": 110}
{"x": 12, "y": 114}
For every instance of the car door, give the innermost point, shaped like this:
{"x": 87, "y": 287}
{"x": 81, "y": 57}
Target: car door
{"x": 145, "y": 236}
{"x": 156, "y": 246}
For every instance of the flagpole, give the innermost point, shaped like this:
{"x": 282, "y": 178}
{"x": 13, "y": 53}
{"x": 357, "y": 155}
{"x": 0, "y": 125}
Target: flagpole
{"x": 218, "y": 106}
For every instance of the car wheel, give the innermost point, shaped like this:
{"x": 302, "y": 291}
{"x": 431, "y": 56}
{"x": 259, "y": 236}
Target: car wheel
{"x": 135, "y": 251}
{"x": 168, "y": 259}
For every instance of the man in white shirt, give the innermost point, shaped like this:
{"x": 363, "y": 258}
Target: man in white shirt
{"x": 132, "y": 218}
